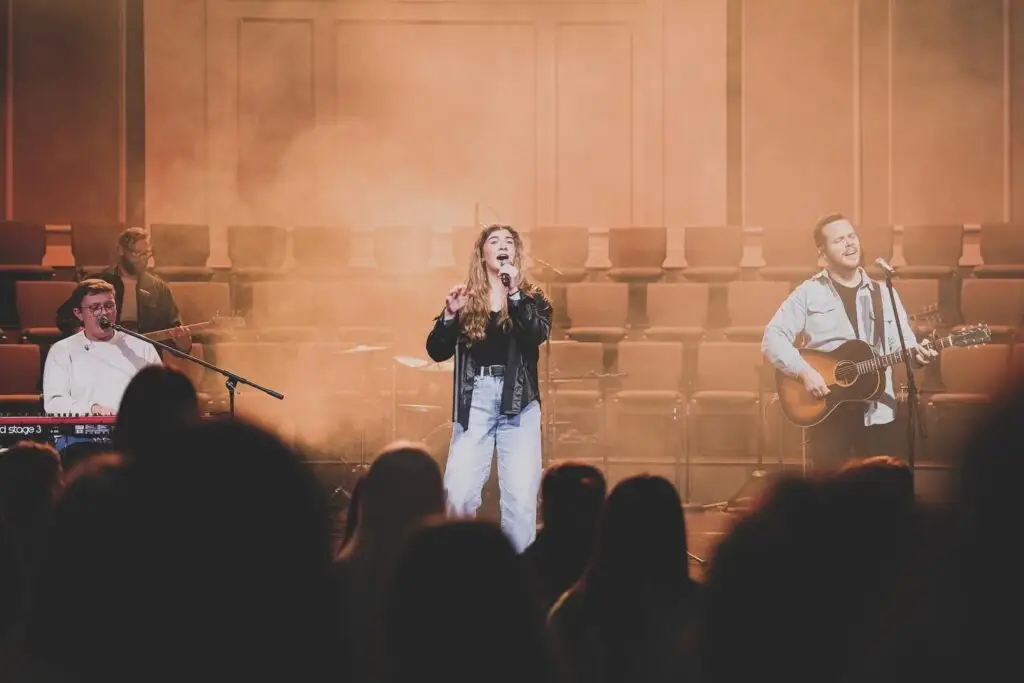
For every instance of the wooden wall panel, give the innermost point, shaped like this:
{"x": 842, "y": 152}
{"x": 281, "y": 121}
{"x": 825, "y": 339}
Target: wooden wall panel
{"x": 874, "y": 76}
{"x": 67, "y": 79}
{"x": 1015, "y": 83}
{"x": 276, "y": 176}
{"x": 948, "y": 111}
{"x": 799, "y": 131}
{"x": 176, "y": 111}
{"x": 594, "y": 124}
{"x": 434, "y": 117}
{"x": 695, "y": 113}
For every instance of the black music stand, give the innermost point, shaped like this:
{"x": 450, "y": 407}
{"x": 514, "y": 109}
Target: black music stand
{"x": 233, "y": 380}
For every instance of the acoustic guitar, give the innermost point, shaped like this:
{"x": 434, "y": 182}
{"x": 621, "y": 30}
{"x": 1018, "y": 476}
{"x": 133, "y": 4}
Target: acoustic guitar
{"x": 853, "y": 372}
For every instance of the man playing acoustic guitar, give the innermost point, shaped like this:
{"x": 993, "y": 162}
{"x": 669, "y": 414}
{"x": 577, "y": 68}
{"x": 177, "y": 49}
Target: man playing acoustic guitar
{"x": 839, "y": 304}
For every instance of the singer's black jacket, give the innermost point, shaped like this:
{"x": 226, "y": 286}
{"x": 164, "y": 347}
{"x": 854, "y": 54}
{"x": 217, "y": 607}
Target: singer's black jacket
{"x": 531, "y": 325}
{"x": 156, "y": 307}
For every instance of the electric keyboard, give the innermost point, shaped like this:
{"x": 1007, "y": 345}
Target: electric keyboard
{"x": 15, "y": 428}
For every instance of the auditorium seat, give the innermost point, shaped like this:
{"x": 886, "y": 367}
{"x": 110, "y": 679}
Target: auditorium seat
{"x": 257, "y": 251}
{"x": 647, "y": 410}
{"x": 920, "y": 298}
{"x": 197, "y": 373}
{"x": 21, "y": 378}
{"x": 181, "y": 251}
{"x": 321, "y": 252}
{"x": 403, "y": 251}
{"x": 22, "y": 248}
{"x": 969, "y": 377}
{"x": 721, "y": 408}
{"x": 637, "y": 253}
{"x": 750, "y": 307}
{"x": 37, "y": 304}
{"x": 790, "y": 254}
{"x": 565, "y": 248}
{"x": 713, "y": 252}
{"x": 996, "y": 303}
{"x": 574, "y": 395}
{"x": 200, "y": 302}
{"x": 598, "y": 311}
{"x": 876, "y": 241}
{"x": 1002, "y": 251}
{"x": 268, "y": 364}
{"x": 299, "y": 311}
{"x": 932, "y": 251}
{"x": 257, "y": 254}
{"x": 94, "y": 245}
{"x": 463, "y": 242}
{"x": 677, "y": 311}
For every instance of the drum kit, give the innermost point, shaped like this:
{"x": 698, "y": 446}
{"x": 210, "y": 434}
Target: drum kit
{"x": 417, "y": 411}
{"x": 430, "y": 420}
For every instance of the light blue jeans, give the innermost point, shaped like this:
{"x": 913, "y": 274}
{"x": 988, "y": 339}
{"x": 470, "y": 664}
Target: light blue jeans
{"x": 518, "y": 442}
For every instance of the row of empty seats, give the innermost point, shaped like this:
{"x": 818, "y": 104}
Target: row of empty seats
{"x": 636, "y": 253}
{"x": 593, "y": 311}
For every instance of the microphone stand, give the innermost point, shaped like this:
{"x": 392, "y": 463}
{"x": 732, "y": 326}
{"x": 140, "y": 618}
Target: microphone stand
{"x": 914, "y": 422}
{"x": 547, "y": 361}
{"x": 232, "y": 379}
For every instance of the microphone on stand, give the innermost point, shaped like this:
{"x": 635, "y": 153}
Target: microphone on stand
{"x": 104, "y": 322}
{"x": 884, "y": 266}
{"x": 505, "y": 279}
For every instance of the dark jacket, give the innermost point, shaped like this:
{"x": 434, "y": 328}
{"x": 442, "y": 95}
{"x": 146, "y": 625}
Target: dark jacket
{"x": 531, "y": 325}
{"x": 156, "y": 307}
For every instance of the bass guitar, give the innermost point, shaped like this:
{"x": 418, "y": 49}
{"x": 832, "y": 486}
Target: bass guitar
{"x": 853, "y": 372}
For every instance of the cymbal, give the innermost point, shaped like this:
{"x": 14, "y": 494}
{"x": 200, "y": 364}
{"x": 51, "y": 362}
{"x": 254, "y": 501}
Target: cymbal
{"x": 362, "y": 348}
{"x": 424, "y": 365}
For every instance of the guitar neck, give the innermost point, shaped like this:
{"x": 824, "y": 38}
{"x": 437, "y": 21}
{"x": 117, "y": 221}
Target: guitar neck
{"x": 164, "y": 335}
{"x": 896, "y": 357}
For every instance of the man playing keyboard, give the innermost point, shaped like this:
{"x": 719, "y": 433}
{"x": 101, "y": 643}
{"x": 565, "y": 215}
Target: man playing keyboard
{"x": 87, "y": 373}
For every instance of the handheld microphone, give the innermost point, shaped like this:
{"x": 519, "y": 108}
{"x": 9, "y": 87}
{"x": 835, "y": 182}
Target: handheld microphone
{"x": 505, "y": 279}
{"x": 884, "y": 266}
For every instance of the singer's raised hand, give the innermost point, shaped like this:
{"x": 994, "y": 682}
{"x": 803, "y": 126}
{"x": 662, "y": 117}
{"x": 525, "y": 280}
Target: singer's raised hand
{"x": 456, "y": 300}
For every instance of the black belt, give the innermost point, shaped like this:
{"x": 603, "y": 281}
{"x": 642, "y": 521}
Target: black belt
{"x": 491, "y": 371}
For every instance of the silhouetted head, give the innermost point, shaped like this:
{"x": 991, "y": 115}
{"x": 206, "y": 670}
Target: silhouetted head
{"x": 572, "y": 496}
{"x": 30, "y": 481}
{"x": 158, "y": 403}
{"x": 400, "y": 490}
{"x": 462, "y": 584}
{"x": 641, "y": 540}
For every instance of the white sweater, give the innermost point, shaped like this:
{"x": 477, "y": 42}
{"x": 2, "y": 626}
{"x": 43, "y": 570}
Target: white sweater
{"x": 80, "y": 372}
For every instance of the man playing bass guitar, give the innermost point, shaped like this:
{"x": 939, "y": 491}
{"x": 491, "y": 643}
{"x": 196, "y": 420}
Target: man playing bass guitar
{"x": 836, "y": 305}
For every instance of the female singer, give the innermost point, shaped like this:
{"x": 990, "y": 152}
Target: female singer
{"x": 494, "y": 326}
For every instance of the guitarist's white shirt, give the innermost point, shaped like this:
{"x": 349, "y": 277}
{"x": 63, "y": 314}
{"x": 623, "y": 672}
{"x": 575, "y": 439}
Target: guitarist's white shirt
{"x": 816, "y": 310}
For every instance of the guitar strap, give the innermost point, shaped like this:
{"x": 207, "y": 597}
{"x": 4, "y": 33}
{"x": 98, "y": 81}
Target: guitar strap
{"x": 879, "y": 326}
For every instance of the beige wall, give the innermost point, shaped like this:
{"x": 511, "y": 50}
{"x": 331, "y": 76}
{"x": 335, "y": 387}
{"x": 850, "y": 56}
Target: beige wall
{"x": 601, "y": 113}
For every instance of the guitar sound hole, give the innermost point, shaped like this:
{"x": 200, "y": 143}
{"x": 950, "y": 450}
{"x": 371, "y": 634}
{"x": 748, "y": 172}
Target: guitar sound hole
{"x": 846, "y": 373}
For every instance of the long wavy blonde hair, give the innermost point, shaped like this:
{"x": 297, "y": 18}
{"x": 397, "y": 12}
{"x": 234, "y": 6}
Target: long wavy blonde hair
{"x": 477, "y": 312}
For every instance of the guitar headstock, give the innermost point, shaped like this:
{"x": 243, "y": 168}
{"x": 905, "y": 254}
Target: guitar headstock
{"x": 973, "y": 335}
{"x": 929, "y": 315}
{"x": 226, "y": 323}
